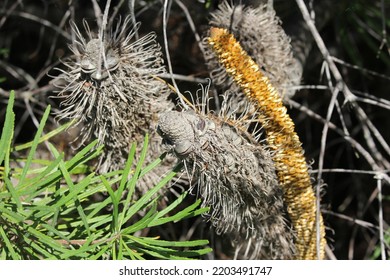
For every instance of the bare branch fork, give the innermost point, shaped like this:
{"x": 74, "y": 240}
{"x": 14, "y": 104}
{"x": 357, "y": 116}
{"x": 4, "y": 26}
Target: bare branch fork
{"x": 369, "y": 130}
{"x": 368, "y": 126}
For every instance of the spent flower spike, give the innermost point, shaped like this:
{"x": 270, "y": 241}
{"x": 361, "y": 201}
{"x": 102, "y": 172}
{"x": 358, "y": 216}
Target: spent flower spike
{"x": 109, "y": 86}
{"x": 235, "y": 174}
{"x": 261, "y": 35}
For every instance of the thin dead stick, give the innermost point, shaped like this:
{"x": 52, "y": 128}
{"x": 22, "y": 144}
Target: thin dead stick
{"x": 374, "y": 151}
{"x": 384, "y": 33}
{"x": 98, "y": 13}
{"x": 366, "y": 27}
{"x": 329, "y": 253}
{"x": 115, "y": 11}
{"x": 349, "y": 96}
{"x": 9, "y": 10}
{"x": 53, "y": 45}
{"x": 378, "y": 178}
{"x": 361, "y": 69}
{"x": 105, "y": 17}
{"x": 324, "y": 51}
{"x": 186, "y": 78}
{"x": 318, "y": 87}
{"x": 40, "y": 21}
{"x": 102, "y": 35}
{"x": 352, "y": 171}
{"x": 332, "y": 104}
{"x": 321, "y": 163}
{"x": 20, "y": 74}
{"x": 353, "y": 220}
{"x": 373, "y": 102}
{"x": 356, "y": 145}
{"x": 133, "y": 20}
{"x": 376, "y": 99}
{"x": 165, "y": 27}
{"x": 366, "y": 121}
{"x": 191, "y": 24}
{"x": 197, "y": 38}
{"x": 325, "y": 68}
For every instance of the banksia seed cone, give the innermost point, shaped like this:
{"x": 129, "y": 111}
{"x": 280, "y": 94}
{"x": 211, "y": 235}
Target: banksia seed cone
{"x": 236, "y": 179}
{"x": 260, "y": 34}
{"x": 287, "y": 151}
{"x": 110, "y": 89}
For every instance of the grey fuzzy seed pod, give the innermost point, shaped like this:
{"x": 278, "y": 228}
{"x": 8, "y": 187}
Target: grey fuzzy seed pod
{"x": 236, "y": 179}
{"x": 261, "y": 35}
{"x": 109, "y": 87}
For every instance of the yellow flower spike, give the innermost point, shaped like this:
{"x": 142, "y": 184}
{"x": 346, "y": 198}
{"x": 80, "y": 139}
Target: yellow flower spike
{"x": 282, "y": 139}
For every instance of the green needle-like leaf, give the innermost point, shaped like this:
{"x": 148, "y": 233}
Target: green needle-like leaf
{"x": 34, "y": 145}
{"x": 8, "y": 129}
{"x": 60, "y": 211}
{"x": 9, "y": 245}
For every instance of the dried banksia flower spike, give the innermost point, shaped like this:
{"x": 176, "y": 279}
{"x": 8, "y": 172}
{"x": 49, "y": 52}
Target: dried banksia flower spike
{"x": 261, "y": 35}
{"x": 236, "y": 177}
{"x": 110, "y": 88}
{"x": 288, "y": 154}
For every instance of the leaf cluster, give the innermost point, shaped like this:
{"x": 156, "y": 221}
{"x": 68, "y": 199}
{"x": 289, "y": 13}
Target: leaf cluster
{"x": 51, "y": 211}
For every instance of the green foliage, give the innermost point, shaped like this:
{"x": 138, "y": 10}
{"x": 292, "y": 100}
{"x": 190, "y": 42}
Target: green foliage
{"x": 51, "y": 211}
{"x": 361, "y": 26}
{"x": 377, "y": 252}
{"x": 3, "y": 53}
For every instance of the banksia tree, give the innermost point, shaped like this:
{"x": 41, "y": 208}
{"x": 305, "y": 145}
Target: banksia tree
{"x": 236, "y": 177}
{"x": 288, "y": 155}
{"x": 109, "y": 88}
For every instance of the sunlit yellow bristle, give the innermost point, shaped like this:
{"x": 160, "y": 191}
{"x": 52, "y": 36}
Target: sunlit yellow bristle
{"x": 281, "y": 137}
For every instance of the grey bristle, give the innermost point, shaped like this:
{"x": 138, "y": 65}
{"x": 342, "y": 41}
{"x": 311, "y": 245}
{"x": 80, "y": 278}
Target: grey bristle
{"x": 118, "y": 101}
{"x": 236, "y": 179}
{"x": 260, "y": 33}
